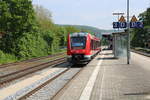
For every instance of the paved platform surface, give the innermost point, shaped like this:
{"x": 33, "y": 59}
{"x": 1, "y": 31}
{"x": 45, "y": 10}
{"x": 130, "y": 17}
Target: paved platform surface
{"x": 114, "y": 80}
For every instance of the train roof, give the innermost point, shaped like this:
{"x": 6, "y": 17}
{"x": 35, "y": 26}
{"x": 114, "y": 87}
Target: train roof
{"x": 83, "y": 34}
{"x": 79, "y": 34}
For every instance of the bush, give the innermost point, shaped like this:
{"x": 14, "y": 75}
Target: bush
{"x": 5, "y": 58}
{"x": 31, "y": 45}
{"x": 29, "y": 33}
{"x": 142, "y": 49}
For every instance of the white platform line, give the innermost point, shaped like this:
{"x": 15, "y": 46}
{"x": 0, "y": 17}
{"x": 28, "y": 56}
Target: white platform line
{"x": 101, "y": 91}
{"x": 89, "y": 86}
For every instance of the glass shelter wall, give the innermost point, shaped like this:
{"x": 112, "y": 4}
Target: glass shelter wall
{"x": 120, "y": 45}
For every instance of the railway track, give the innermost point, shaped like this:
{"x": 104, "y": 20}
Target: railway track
{"x": 29, "y": 60}
{"x": 35, "y": 88}
{"x": 26, "y": 71}
{"x": 49, "y": 82}
{"x": 141, "y": 53}
{"x": 42, "y": 85}
{"x": 67, "y": 83}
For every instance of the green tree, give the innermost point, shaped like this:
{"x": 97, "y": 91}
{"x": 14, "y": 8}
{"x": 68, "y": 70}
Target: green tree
{"x": 17, "y": 18}
{"x": 4, "y": 16}
{"x": 140, "y": 37}
{"x": 29, "y": 31}
{"x": 44, "y": 18}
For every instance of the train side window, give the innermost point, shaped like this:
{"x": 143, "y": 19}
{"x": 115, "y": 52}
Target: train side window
{"x": 94, "y": 45}
{"x": 99, "y": 44}
{"x": 91, "y": 44}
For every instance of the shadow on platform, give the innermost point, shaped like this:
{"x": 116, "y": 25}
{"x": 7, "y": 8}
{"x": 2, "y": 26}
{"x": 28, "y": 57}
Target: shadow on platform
{"x": 106, "y": 49}
{"x": 78, "y": 65}
{"x": 106, "y": 53}
{"x": 142, "y": 93}
{"x": 107, "y": 58}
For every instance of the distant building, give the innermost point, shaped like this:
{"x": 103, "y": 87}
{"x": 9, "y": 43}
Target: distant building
{"x": 108, "y": 37}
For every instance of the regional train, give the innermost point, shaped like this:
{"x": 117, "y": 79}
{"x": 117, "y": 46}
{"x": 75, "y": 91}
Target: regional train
{"x": 82, "y": 47}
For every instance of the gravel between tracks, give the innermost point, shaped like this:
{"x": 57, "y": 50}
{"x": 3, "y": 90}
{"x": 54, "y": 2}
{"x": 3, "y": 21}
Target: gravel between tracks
{"x": 28, "y": 76}
{"x": 25, "y": 90}
{"x": 48, "y": 91}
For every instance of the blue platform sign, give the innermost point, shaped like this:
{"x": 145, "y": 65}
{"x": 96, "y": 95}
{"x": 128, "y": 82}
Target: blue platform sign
{"x": 136, "y": 25}
{"x": 133, "y": 24}
{"x": 119, "y": 24}
{"x": 115, "y": 24}
{"x": 122, "y": 24}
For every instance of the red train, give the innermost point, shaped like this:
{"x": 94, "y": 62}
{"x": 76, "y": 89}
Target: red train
{"x": 82, "y": 47}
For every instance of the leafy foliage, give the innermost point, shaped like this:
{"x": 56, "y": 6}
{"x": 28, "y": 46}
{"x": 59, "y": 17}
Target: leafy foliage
{"x": 5, "y": 58}
{"x": 17, "y": 18}
{"x": 141, "y": 37}
{"x": 29, "y": 31}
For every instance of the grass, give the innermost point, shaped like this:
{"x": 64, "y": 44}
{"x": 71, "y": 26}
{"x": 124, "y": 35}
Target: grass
{"x": 146, "y": 50}
{"x": 8, "y": 58}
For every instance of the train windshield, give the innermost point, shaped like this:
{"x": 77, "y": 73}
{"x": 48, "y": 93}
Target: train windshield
{"x": 78, "y": 42}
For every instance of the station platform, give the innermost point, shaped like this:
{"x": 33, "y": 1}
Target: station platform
{"x": 107, "y": 78}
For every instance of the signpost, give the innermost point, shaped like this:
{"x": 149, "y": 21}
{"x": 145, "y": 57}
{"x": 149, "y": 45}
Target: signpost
{"x": 122, "y": 19}
{"x": 122, "y": 23}
{"x": 128, "y": 35}
{"x": 134, "y": 23}
{"x": 115, "y": 24}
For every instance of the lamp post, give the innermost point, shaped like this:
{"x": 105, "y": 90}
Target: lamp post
{"x": 128, "y": 32}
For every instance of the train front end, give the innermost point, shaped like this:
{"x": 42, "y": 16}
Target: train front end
{"x": 78, "y": 47}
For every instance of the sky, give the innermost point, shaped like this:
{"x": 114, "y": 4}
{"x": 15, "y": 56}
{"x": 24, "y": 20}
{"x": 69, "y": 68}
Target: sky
{"x": 96, "y": 13}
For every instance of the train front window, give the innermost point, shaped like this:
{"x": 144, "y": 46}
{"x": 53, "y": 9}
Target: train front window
{"x": 78, "y": 42}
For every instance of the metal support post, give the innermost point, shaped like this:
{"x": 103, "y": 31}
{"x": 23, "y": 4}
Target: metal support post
{"x": 128, "y": 37}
